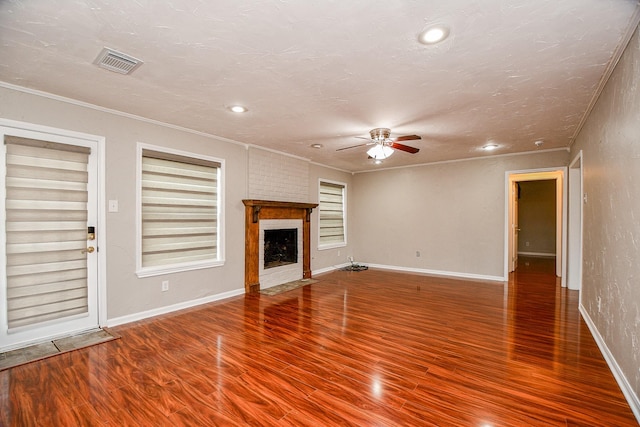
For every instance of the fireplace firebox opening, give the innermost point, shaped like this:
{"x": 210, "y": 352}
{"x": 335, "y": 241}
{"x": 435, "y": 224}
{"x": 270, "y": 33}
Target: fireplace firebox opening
{"x": 280, "y": 247}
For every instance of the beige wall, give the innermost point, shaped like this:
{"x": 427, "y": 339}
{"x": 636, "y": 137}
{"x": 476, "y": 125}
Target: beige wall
{"x": 610, "y": 142}
{"x": 127, "y": 295}
{"x": 452, "y": 213}
{"x": 537, "y": 217}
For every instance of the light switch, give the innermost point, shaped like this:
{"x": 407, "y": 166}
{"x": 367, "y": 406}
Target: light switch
{"x": 113, "y": 206}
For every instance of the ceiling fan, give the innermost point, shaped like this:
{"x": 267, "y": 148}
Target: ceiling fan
{"x": 383, "y": 145}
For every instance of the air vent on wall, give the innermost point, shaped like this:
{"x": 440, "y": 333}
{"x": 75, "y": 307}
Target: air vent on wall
{"x": 118, "y": 62}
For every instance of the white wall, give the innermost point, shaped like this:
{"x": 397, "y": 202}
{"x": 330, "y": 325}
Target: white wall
{"x": 610, "y": 142}
{"x": 452, "y": 213}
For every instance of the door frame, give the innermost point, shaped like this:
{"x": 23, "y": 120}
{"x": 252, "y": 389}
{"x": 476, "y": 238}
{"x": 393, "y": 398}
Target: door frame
{"x": 22, "y": 128}
{"x": 513, "y": 225}
{"x": 560, "y": 175}
{"x": 576, "y": 220}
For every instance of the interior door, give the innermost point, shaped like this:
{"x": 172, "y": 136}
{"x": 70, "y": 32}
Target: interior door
{"x": 49, "y": 261}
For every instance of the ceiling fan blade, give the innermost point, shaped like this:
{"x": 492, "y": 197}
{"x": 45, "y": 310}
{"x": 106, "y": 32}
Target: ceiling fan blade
{"x": 407, "y": 138}
{"x": 403, "y": 147}
{"x": 355, "y": 146}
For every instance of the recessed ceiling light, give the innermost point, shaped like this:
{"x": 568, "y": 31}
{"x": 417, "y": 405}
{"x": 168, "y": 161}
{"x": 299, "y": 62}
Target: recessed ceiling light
{"x": 490, "y": 147}
{"x": 539, "y": 143}
{"x": 433, "y": 35}
{"x": 238, "y": 109}
{"x": 318, "y": 146}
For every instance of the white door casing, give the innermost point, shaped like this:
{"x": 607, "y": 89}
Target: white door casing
{"x": 559, "y": 175}
{"x": 575, "y": 230}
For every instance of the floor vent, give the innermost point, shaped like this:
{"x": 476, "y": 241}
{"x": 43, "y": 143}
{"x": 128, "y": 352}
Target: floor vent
{"x": 115, "y": 61}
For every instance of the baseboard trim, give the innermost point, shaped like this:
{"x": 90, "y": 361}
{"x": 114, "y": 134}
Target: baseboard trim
{"x": 627, "y": 391}
{"x": 330, "y": 269}
{"x": 538, "y": 254}
{"x": 171, "y": 308}
{"x": 436, "y": 272}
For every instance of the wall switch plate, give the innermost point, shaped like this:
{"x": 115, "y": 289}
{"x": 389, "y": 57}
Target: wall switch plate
{"x": 165, "y": 285}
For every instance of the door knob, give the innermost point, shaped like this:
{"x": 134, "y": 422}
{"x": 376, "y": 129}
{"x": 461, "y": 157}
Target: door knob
{"x": 90, "y": 250}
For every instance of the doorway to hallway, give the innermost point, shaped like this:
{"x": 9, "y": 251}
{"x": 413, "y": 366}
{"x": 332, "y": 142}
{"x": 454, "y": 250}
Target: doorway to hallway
{"x": 513, "y": 229}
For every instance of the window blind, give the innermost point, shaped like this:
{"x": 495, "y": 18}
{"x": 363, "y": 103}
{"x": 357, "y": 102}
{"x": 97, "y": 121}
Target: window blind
{"x": 331, "y": 209}
{"x": 179, "y": 209}
{"x": 46, "y": 230}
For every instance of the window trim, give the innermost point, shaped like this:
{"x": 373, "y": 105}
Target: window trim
{"x": 187, "y": 266}
{"x": 342, "y": 244}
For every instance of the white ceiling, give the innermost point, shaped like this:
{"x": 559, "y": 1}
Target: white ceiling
{"x": 512, "y": 71}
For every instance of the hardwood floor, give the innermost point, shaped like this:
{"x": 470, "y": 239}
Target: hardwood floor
{"x": 371, "y": 348}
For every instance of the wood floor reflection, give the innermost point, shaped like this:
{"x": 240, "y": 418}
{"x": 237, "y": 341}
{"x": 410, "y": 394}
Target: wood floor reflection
{"x": 370, "y": 348}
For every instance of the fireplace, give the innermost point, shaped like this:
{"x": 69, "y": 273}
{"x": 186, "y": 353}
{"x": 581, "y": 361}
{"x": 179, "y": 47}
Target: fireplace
{"x": 261, "y": 215}
{"x": 280, "y": 247}
{"x": 279, "y": 260}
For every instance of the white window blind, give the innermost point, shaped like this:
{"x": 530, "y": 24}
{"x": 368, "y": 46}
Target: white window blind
{"x": 46, "y": 231}
{"x": 179, "y": 209}
{"x": 332, "y": 218}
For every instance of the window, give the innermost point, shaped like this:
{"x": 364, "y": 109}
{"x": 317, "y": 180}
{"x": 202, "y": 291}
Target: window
{"x": 180, "y": 208}
{"x": 332, "y": 208}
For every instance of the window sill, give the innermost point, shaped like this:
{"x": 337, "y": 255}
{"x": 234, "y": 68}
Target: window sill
{"x": 332, "y": 246}
{"x": 176, "y": 268}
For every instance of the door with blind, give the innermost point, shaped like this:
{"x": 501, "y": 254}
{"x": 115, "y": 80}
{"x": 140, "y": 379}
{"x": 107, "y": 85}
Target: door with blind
{"x": 49, "y": 253}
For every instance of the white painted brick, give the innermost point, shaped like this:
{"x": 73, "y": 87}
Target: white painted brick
{"x": 274, "y": 176}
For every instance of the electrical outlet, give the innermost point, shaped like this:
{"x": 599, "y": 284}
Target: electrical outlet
{"x": 599, "y": 305}
{"x": 338, "y": 252}
{"x": 526, "y": 244}
{"x": 418, "y": 254}
{"x": 165, "y": 285}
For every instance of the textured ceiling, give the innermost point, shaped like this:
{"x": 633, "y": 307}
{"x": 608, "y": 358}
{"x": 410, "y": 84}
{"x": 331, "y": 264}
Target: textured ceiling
{"x": 326, "y": 72}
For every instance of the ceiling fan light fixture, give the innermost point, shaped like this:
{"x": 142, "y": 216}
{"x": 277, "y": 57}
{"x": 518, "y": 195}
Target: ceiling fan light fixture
{"x": 380, "y": 152}
{"x": 433, "y": 35}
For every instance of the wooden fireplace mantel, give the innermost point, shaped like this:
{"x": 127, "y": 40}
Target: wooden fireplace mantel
{"x": 255, "y": 210}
